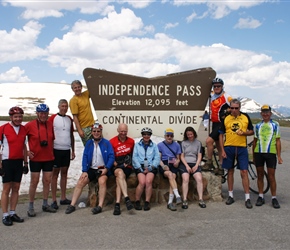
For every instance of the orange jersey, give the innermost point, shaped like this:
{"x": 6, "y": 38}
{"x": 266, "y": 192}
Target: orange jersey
{"x": 218, "y": 107}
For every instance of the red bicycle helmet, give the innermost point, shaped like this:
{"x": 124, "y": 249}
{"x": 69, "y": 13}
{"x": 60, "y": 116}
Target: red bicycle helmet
{"x": 15, "y": 110}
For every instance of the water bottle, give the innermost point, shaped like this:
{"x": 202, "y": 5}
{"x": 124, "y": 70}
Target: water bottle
{"x": 145, "y": 163}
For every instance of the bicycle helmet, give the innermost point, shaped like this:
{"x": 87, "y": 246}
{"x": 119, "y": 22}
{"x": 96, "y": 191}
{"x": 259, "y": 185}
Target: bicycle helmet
{"x": 146, "y": 130}
{"x": 97, "y": 125}
{"x": 15, "y": 110}
{"x": 217, "y": 80}
{"x": 42, "y": 108}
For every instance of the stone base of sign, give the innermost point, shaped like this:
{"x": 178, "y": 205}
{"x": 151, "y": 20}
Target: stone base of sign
{"x": 211, "y": 184}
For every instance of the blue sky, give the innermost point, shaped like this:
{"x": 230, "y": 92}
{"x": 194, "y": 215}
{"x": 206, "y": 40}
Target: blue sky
{"x": 245, "y": 42}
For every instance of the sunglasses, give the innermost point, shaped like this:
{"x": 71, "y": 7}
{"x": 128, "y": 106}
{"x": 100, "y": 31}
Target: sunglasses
{"x": 146, "y": 134}
{"x": 169, "y": 135}
{"x": 235, "y": 107}
{"x": 217, "y": 86}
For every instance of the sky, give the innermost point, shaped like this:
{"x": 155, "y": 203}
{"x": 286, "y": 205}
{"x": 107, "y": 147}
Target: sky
{"x": 245, "y": 42}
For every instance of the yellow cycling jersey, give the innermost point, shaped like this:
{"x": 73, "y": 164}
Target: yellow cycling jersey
{"x": 230, "y": 127}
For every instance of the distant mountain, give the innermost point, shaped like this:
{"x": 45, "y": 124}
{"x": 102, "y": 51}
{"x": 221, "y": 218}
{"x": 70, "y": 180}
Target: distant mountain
{"x": 29, "y": 95}
{"x": 253, "y": 109}
{"x": 282, "y": 109}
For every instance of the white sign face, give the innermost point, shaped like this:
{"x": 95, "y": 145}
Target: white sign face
{"x": 158, "y": 121}
{"x": 174, "y": 101}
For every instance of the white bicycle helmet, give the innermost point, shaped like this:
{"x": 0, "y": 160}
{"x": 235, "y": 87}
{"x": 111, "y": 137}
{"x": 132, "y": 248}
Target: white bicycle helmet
{"x": 146, "y": 130}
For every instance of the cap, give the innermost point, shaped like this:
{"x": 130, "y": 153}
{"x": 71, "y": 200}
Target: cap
{"x": 169, "y": 131}
{"x": 265, "y": 107}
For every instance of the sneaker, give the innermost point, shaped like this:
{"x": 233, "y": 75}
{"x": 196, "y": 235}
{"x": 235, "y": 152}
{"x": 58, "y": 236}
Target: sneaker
{"x": 138, "y": 205}
{"x": 185, "y": 204}
{"x": 171, "y": 207}
{"x": 201, "y": 204}
{"x": 275, "y": 203}
{"x": 230, "y": 200}
{"x": 48, "y": 209}
{"x": 31, "y": 212}
{"x": 146, "y": 206}
{"x": 16, "y": 218}
{"x": 70, "y": 209}
{"x": 117, "y": 210}
{"x": 7, "y": 221}
{"x": 65, "y": 202}
{"x": 129, "y": 205}
{"x": 178, "y": 200}
{"x": 260, "y": 201}
{"x": 96, "y": 210}
{"x": 54, "y": 205}
{"x": 248, "y": 203}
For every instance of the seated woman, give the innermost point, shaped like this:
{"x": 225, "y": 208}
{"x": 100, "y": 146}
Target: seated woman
{"x": 190, "y": 159}
{"x": 145, "y": 161}
{"x": 170, "y": 158}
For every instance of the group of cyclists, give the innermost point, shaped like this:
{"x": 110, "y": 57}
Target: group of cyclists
{"x": 51, "y": 147}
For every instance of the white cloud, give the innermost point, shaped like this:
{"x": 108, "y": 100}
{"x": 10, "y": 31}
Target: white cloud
{"x": 20, "y": 45}
{"x": 171, "y": 25}
{"x": 219, "y": 9}
{"x": 138, "y": 4}
{"x": 38, "y": 14}
{"x": 115, "y": 25}
{"x": 195, "y": 16}
{"x": 53, "y": 8}
{"x": 248, "y": 23}
{"x": 66, "y": 27}
{"x": 14, "y": 74}
{"x": 43, "y": 8}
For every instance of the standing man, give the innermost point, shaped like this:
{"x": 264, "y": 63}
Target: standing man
{"x": 81, "y": 110}
{"x": 233, "y": 142}
{"x": 267, "y": 148}
{"x": 63, "y": 149}
{"x": 40, "y": 141}
{"x": 98, "y": 158}
{"x": 13, "y": 148}
{"x": 219, "y": 105}
{"x": 123, "y": 148}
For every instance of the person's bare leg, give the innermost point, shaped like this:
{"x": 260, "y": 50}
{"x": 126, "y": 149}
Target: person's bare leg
{"x": 14, "y": 195}
{"x": 63, "y": 182}
{"x": 102, "y": 189}
{"x": 185, "y": 181}
{"x": 82, "y": 182}
{"x": 34, "y": 179}
{"x": 148, "y": 188}
{"x": 140, "y": 187}
{"x": 54, "y": 178}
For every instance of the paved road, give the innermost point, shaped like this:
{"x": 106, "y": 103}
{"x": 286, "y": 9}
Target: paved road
{"x": 216, "y": 227}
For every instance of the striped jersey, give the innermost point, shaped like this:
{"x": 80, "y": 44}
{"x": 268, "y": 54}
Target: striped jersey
{"x": 266, "y": 134}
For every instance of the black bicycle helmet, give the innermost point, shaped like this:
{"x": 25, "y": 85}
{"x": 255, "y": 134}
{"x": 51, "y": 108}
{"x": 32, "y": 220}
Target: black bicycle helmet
{"x": 218, "y": 80}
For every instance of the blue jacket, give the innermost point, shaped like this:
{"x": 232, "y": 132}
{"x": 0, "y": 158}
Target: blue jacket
{"x": 152, "y": 155}
{"x": 106, "y": 150}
